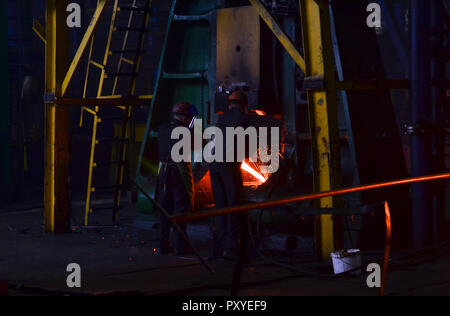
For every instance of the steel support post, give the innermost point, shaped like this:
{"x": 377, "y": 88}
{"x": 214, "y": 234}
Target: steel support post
{"x": 323, "y": 120}
{"x": 420, "y": 113}
{"x": 56, "y": 187}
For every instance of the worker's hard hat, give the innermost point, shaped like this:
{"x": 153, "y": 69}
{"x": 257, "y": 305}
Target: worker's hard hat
{"x": 185, "y": 108}
{"x": 238, "y": 96}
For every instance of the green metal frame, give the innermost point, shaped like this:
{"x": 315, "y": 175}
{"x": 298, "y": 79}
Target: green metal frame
{"x": 187, "y": 71}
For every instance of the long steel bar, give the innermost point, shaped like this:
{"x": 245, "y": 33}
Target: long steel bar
{"x": 261, "y": 205}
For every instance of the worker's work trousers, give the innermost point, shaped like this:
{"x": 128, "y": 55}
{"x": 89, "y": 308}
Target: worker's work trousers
{"x": 227, "y": 188}
{"x": 175, "y": 194}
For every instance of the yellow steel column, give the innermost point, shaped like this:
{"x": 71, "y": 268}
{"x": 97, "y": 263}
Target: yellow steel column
{"x": 323, "y": 117}
{"x": 57, "y": 208}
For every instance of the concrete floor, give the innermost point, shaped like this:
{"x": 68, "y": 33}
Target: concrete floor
{"x": 120, "y": 260}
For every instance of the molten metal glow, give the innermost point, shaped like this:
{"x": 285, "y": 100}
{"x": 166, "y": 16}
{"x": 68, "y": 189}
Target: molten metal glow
{"x": 253, "y": 172}
{"x": 260, "y": 113}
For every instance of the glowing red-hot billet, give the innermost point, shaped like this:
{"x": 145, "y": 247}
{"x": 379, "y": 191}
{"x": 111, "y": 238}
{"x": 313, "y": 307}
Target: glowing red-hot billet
{"x": 253, "y": 172}
{"x": 260, "y": 112}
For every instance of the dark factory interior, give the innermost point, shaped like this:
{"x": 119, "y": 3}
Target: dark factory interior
{"x": 350, "y": 196}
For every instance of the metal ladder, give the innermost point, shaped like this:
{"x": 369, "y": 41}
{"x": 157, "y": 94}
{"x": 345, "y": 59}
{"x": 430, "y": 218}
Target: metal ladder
{"x": 126, "y": 111}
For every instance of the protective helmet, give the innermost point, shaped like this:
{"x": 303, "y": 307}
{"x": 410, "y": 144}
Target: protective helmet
{"x": 238, "y": 96}
{"x": 184, "y": 108}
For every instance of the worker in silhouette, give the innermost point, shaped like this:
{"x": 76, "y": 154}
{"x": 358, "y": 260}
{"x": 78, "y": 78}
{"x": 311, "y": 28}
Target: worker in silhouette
{"x": 175, "y": 184}
{"x": 226, "y": 179}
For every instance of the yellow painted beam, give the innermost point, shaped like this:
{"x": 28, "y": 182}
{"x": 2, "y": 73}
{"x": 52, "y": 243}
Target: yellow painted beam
{"x": 278, "y": 32}
{"x": 146, "y": 97}
{"x": 323, "y": 116}
{"x": 101, "y": 6}
{"x": 97, "y": 65}
{"x": 56, "y": 202}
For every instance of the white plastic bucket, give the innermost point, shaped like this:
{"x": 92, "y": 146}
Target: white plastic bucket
{"x": 346, "y": 260}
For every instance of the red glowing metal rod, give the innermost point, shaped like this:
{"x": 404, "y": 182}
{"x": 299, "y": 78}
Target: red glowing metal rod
{"x": 387, "y": 249}
{"x": 244, "y": 208}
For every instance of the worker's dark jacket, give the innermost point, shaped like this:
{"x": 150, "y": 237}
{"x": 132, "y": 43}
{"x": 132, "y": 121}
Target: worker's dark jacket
{"x": 232, "y": 118}
{"x": 175, "y": 185}
{"x": 226, "y": 182}
{"x": 165, "y": 144}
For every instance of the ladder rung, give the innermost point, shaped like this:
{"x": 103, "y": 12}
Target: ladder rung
{"x": 147, "y": 97}
{"x": 183, "y": 76}
{"x": 89, "y": 110}
{"x": 96, "y": 64}
{"x": 112, "y": 140}
{"x": 193, "y": 18}
{"x": 121, "y": 74}
{"x": 127, "y": 51}
{"x": 117, "y": 96}
{"x": 157, "y": 33}
{"x": 116, "y": 119}
{"x": 129, "y": 29}
{"x": 134, "y": 9}
{"x": 128, "y": 61}
{"x": 105, "y": 188}
{"x": 102, "y": 208}
{"x": 109, "y": 163}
